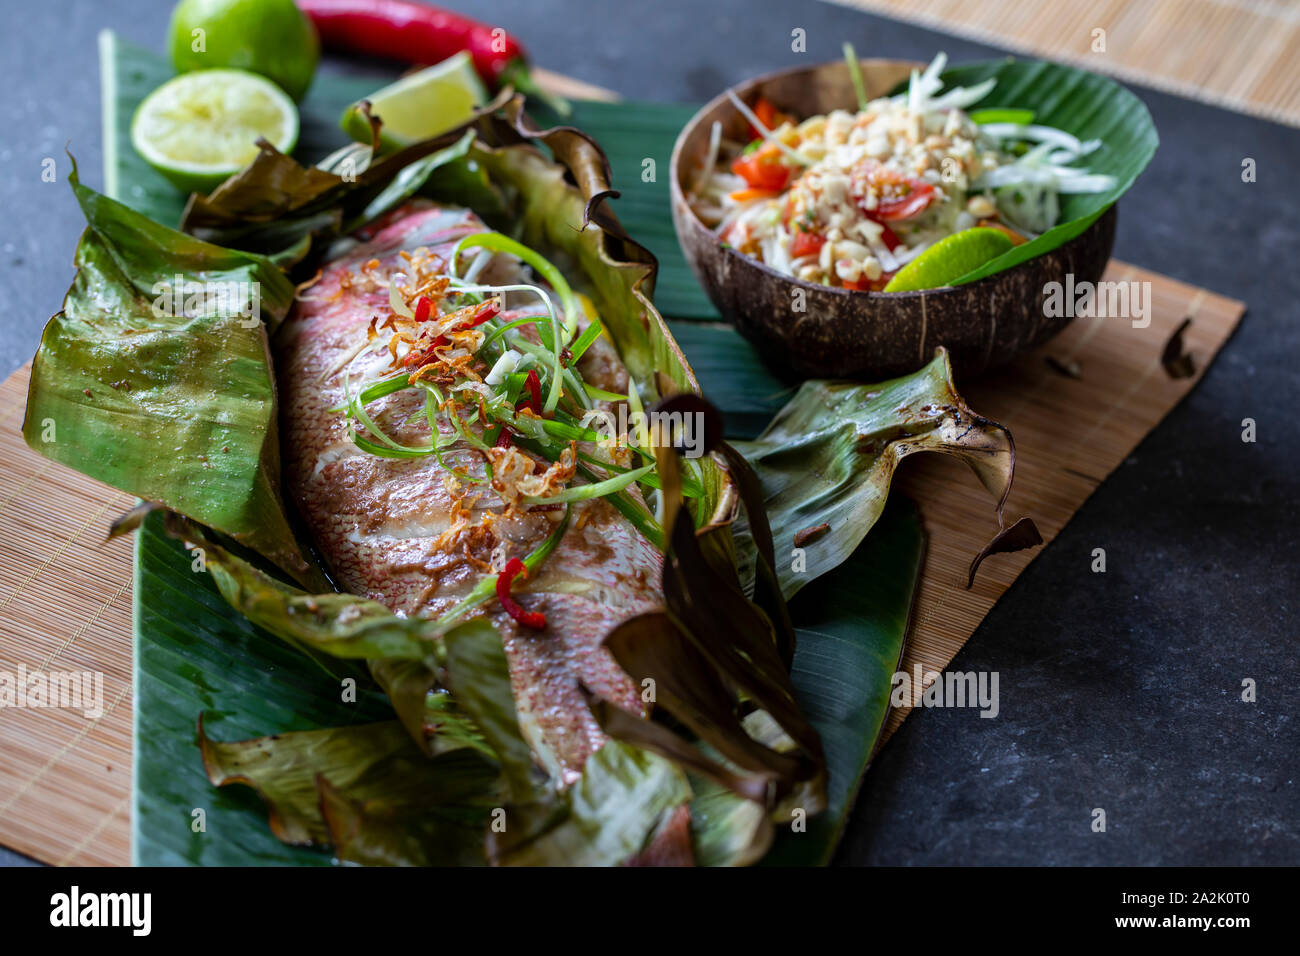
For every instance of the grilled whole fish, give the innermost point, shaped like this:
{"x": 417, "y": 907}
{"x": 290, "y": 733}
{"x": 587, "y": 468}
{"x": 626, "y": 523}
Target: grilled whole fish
{"x": 388, "y": 527}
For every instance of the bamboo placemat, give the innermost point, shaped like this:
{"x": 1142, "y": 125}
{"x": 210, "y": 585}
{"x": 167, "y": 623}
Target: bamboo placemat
{"x": 1234, "y": 53}
{"x": 65, "y": 598}
{"x": 1122, "y": 392}
{"x": 65, "y": 605}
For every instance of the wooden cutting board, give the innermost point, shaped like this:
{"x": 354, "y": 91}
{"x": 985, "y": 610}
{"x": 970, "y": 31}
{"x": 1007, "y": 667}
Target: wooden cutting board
{"x": 65, "y": 596}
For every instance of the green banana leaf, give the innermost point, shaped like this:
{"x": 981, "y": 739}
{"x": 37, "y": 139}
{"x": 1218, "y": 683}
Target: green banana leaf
{"x": 365, "y": 789}
{"x": 150, "y": 384}
{"x": 826, "y": 461}
{"x": 638, "y": 140}
{"x": 1085, "y": 104}
{"x": 840, "y": 671}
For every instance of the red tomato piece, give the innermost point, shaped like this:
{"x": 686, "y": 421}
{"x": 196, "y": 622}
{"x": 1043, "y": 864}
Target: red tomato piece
{"x": 762, "y": 169}
{"x": 806, "y": 244}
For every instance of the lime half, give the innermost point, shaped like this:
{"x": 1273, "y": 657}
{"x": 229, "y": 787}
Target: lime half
{"x": 421, "y": 105}
{"x": 199, "y": 128}
{"x": 950, "y": 259}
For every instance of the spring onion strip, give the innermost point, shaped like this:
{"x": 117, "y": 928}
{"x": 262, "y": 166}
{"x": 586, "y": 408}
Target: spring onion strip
{"x": 460, "y": 287}
{"x": 392, "y": 449}
{"x": 557, "y": 367}
{"x": 585, "y": 340}
{"x": 690, "y": 489}
{"x": 604, "y": 396}
{"x": 455, "y": 421}
{"x": 381, "y": 451}
{"x": 364, "y": 418}
{"x": 766, "y": 133}
{"x": 855, "y": 74}
{"x": 542, "y": 428}
{"x": 376, "y": 390}
{"x": 496, "y": 242}
{"x": 576, "y": 385}
{"x": 358, "y": 411}
{"x": 430, "y": 410}
{"x": 634, "y": 512}
{"x": 486, "y": 586}
{"x": 586, "y": 492}
{"x": 514, "y": 388}
{"x": 501, "y": 330}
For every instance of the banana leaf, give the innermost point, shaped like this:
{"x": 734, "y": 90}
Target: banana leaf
{"x": 151, "y": 385}
{"x": 367, "y": 790}
{"x": 840, "y": 674}
{"x": 1085, "y": 104}
{"x": 826, "y": 461}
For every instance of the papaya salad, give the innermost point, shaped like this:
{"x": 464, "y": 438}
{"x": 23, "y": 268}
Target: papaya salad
{"x": 847, "y": 199}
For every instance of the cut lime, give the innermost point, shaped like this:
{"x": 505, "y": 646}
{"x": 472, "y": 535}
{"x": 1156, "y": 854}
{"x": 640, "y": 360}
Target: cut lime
{"x": 199, "y": 128}
{"x": 950, "y": 259}
{"x": 421, "y": 105}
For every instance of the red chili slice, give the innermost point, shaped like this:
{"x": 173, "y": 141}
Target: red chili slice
{"x": 534, "y": 400}
{"x": 488, "y": 310}
{"x": 418, "y": 357}
{"x": 483, "y": 313}
{"x": 535, "y": 620}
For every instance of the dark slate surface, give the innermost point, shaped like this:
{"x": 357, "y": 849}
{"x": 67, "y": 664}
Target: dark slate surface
{"x": 1118, "y": 690}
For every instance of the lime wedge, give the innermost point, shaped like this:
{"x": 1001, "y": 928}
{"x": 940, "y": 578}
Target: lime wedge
{"x": 421, "y": 105}
{"x": 949, "y": 259}
{"x": 199, "y": 128}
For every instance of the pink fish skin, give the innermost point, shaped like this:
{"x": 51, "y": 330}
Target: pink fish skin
{"x": 376, "y": 520}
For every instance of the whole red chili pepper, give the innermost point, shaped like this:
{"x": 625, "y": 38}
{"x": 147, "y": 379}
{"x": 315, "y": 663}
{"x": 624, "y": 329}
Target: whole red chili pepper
{"x": 530, "y": 619}
{"x": 415, "y": 33}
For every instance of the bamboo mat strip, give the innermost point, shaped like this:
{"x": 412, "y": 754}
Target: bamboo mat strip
{"x": 1122, "y": 395}
{"x": 65, "y": 606}
{"x": 65, "y": 601}
{"x": 1233, "y": 53}
{"x": 570, "y": 88}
